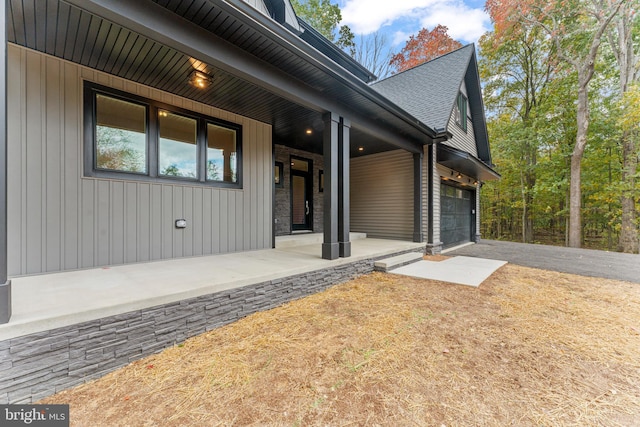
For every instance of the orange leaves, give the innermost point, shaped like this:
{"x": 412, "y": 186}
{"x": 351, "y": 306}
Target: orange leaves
{"x": 427, "y": 45}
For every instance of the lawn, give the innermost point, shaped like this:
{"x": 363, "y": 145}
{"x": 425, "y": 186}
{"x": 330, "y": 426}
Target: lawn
{"x": 527, "y": 348}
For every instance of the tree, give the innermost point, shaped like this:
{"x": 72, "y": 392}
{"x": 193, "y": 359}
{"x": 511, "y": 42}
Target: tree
{"x": 517, "y": 70}
{"x": 117, "y": 149}
{"x": 576, "y": 28}
{"x": 325, "y": 17}
{"x": 427, "y": 45}
{"x": 627, "y": 55}
{"x": 371, "y": 51}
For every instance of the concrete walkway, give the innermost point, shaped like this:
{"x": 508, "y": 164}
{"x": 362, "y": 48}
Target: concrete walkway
{"x": 460, "y": 270}
{"x": 584, "y": 262}
{"x": 49, "y": 301}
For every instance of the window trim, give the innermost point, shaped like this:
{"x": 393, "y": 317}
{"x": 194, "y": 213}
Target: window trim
{"x": 90, "y": 90}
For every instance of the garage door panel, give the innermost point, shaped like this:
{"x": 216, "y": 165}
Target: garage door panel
{"x": 456, "y": 218}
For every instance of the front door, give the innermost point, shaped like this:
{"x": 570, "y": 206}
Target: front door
{"x": 301, "y": 193}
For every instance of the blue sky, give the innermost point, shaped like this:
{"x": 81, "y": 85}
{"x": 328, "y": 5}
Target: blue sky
{"x": 398, "y": 19}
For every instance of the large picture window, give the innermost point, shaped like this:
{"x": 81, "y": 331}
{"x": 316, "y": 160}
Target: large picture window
{"x": 137, "y": 138}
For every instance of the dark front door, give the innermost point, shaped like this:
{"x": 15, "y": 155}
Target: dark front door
{"x": 301, "y": 194}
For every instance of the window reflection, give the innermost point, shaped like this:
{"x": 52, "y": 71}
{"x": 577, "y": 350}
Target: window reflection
{"x": 222, "y": 155}
{"x": 121, "y": 139}
{"x": 178, "y": 153}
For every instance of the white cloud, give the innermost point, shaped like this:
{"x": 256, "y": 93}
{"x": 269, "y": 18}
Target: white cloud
{"x": 405, "y": 17}
{"x": 464, "y": 23}
{"x": 400, "y": 38}
{"x": 367, "y": 16}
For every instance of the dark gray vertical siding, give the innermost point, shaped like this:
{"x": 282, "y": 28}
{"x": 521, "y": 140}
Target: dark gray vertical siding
{"x": 61, "y": 220}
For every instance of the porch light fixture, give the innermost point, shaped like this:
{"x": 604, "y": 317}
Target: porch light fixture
{"x": 459, "y": 175}
{"x": 199, "y": 79}
{"x": 361, "y": 148}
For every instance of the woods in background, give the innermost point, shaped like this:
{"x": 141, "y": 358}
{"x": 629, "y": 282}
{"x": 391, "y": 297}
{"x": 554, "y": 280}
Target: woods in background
{"x": 561, "y": 86}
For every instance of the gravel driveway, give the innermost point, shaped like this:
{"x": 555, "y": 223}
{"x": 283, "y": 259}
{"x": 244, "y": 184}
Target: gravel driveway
{"x": 585, "y": 262}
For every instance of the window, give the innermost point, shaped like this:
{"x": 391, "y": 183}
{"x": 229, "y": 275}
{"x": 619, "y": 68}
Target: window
{"x": 178, "y": 150}
{"x": 461, "y": 111}
{"x": 121, "y": 135}
{"x": 137, "y": 138}
{"x": 278, "y": 171}
{"x": 222, "y": 153}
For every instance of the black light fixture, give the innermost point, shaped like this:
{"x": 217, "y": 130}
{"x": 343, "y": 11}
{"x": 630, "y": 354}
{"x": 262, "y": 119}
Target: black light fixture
{"x": 459, "y": 175}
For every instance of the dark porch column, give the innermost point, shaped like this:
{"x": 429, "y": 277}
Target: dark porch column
{"x": 330, "y": 247}
{"x": 417, "y": 198}
{"x": 343, "y": 188}
{"x": 5, "y": 284}
{"x": 430, "y": 161}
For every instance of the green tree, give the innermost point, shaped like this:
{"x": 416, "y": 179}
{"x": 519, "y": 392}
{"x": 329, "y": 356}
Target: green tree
{"x": 576, "y": 28}
{"x": 624, "y": 39}
{"x": 325, "y": 17}
{"x": 517, "y": 69}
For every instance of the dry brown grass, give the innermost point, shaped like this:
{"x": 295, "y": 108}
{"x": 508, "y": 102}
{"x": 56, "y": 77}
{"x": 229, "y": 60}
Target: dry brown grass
{"x": 528, "y": 347}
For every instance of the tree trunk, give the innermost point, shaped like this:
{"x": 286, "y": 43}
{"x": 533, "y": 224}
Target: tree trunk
{"x": 575, "y": 189}
{"x": 629, "y": 230}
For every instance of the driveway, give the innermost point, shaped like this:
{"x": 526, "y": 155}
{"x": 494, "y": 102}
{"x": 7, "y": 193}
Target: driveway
{"x": 585, "y": 262}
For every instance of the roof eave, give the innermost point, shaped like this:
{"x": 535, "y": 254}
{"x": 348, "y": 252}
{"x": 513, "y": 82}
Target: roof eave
{"x": 311, "y": 54}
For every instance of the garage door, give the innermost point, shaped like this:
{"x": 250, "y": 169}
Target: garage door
{"x": 456, "y": 215}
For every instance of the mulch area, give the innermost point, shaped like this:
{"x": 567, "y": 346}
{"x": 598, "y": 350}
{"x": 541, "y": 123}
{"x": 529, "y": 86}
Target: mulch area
{"x": 527, "y": 348}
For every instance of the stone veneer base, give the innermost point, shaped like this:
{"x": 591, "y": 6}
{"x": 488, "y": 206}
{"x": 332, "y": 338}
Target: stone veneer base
{"x": 38, "y": 365}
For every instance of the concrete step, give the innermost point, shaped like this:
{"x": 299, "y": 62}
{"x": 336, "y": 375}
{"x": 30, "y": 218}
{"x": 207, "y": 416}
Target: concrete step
{"x": 304, "y": 239}
{"x": 388, "y": 264}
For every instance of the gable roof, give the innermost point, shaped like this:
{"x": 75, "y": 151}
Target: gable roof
{"x": 429, "y": 91}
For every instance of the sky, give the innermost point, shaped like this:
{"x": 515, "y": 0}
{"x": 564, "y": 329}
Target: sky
{"x": 398, "y": 19}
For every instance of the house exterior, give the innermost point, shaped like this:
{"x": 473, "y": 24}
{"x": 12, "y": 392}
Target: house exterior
{"x": 152, "y": 130}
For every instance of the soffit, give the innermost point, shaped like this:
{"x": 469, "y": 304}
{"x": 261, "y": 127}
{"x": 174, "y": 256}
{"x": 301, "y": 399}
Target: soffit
{"x": 63, "y": 30}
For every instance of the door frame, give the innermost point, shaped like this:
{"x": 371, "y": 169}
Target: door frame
{"x": 308, "y": 176}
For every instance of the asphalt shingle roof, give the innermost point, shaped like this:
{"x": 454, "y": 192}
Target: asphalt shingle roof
{"x": 428, "y": 91}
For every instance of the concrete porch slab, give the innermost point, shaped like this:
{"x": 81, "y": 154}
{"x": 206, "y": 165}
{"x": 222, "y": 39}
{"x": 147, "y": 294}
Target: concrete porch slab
{"x": 49, "y": 301}
{"x": 460, "y": 270}
{"x": 304, "y": 239}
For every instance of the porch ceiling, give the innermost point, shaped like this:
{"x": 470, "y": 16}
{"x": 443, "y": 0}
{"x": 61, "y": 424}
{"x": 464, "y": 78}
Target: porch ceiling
{"x": 92, "y": 33}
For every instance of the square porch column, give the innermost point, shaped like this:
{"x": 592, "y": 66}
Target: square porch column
{"x": 330, "y": 247}
{"x": 5, "y": 283}
{"x": 343, "y": 188}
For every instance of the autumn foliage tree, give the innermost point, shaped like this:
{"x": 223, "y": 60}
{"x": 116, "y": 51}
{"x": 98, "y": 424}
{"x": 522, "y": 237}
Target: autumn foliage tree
{"x": 576, "y": 28}
{"x": 427, "y": 45}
